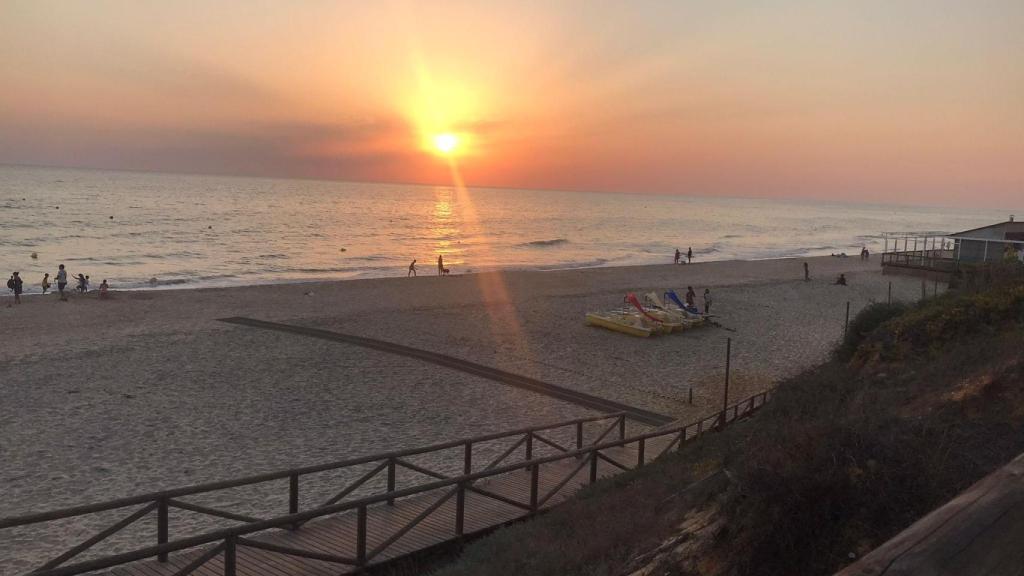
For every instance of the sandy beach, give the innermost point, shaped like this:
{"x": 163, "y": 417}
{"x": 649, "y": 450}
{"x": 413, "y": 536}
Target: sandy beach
{"x": 149, "y": 390}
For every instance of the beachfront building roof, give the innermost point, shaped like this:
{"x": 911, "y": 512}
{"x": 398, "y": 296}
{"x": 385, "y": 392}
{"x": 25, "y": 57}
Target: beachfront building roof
{"x": 990, "y": 243}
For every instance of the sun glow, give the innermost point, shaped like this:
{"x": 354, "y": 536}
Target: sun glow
{"x": 446, "y": 143}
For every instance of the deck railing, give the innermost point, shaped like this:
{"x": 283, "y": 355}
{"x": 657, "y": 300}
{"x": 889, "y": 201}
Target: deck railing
{"x": 936, "y": 260}
{"x": 226, "y": 541}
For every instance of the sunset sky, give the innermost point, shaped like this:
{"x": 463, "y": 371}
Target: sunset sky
{"x": 901, "y": 101}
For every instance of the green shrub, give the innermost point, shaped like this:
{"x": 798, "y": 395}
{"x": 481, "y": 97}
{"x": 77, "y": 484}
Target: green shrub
{"x": 866, "y": 321}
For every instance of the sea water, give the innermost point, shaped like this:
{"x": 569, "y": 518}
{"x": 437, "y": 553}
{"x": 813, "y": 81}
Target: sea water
{"x": 154, "y": 230}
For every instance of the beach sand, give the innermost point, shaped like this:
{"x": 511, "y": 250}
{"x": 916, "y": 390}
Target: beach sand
{"x": 147, "y": 390}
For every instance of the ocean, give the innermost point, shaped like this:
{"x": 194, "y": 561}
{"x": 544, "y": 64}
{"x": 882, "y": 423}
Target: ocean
{"x": 153, "y": 230}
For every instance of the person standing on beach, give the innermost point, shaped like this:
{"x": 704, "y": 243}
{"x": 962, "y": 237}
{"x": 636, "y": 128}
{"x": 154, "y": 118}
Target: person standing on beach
{"x": 412, "y": 269}
{"x": 689, "y": 255}
{"x": 45, "y": 284}
{"x": 691, "y": 296}
{"x": 103, "y": 289}
{"x": 807, "y": 273}
{"x": 440, "y": 265}
{"x": 17, "y": 282}
{"x": 707, "y": 300}
{"x": 62, "y": 282}
{"x": 676, "y": 261}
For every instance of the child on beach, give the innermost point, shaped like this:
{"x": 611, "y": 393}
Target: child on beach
{"x": 412, "y": 269}
{"x": 689, "y": 255}
{"x": 691, "y": 296}
{"x": 103, "y": 289}
{"x": 707, "y": 300}
{"x": 440, "y": 265}
{"x": 676, "y": 261}
{"x": 62, "y": 282}
{"x": 46, "y": 282}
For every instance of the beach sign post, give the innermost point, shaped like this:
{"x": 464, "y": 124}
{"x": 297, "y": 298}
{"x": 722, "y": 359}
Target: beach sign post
{"x": 890, "y": 292}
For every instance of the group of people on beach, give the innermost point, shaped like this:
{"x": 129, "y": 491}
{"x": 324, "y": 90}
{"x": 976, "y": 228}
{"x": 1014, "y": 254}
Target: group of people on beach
{"x": 691, "y": 299}
{"x": 679, "y": 256}
{"x": 441, "y": 270}
{"x": 16, "y": 284}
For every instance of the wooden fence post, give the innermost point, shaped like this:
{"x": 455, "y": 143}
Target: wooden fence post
{"x": 529, "y": 448}
{"x": 230, "y": 556}
{"x": 293, "y": 493}
{"x": 534, "y": 485}
{"x": 391, "y": 480}
{"x": 579, "y": 435}
{"x": 162, "y": 526}
{"x": 846, "y": 324}
{"x": 725, "y": 393}
{"x": 361, "y": 536}
{"x": 460, "y": 509}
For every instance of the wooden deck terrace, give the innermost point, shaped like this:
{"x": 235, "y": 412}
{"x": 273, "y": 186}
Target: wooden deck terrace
{"x": 344, "y": 536}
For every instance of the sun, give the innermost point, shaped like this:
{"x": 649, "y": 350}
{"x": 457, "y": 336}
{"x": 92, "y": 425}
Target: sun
{"x": 446, "y": 143}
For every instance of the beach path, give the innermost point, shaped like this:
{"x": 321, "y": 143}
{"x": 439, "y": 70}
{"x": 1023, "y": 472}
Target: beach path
{"x": 586, "y": 400}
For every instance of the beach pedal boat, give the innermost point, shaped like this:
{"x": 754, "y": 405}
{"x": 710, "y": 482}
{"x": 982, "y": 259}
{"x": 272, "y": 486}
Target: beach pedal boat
{"x": 651, "y": 318}
{"x": 634, "y": 320}
{"x": 619, "y": 322}
{"x": 658, "y": 309}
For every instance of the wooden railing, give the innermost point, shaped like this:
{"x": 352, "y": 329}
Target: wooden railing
{"x": 937, "y": 260}
{"x": 226, "y": 541}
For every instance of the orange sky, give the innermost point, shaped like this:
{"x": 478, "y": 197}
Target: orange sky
{"x": 903, "y": 101}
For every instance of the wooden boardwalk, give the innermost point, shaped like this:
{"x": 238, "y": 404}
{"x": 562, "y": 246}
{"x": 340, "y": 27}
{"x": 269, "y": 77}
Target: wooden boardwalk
{"x": 541, "y": 467}
{"x": 337, "y": 535}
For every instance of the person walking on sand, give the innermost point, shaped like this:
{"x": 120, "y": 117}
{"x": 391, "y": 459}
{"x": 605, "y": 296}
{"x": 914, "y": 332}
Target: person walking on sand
{"x": 45, "y": 284}
{"x": 676, "y": 261}
{"x": 412, "y": 269}
{"x": 62, "y": 282}
{"x": 707, "y": 300}
{"x": 807, "y": 273}
{"x": 689, "y": 255}
{"x": 440, "y": 265}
